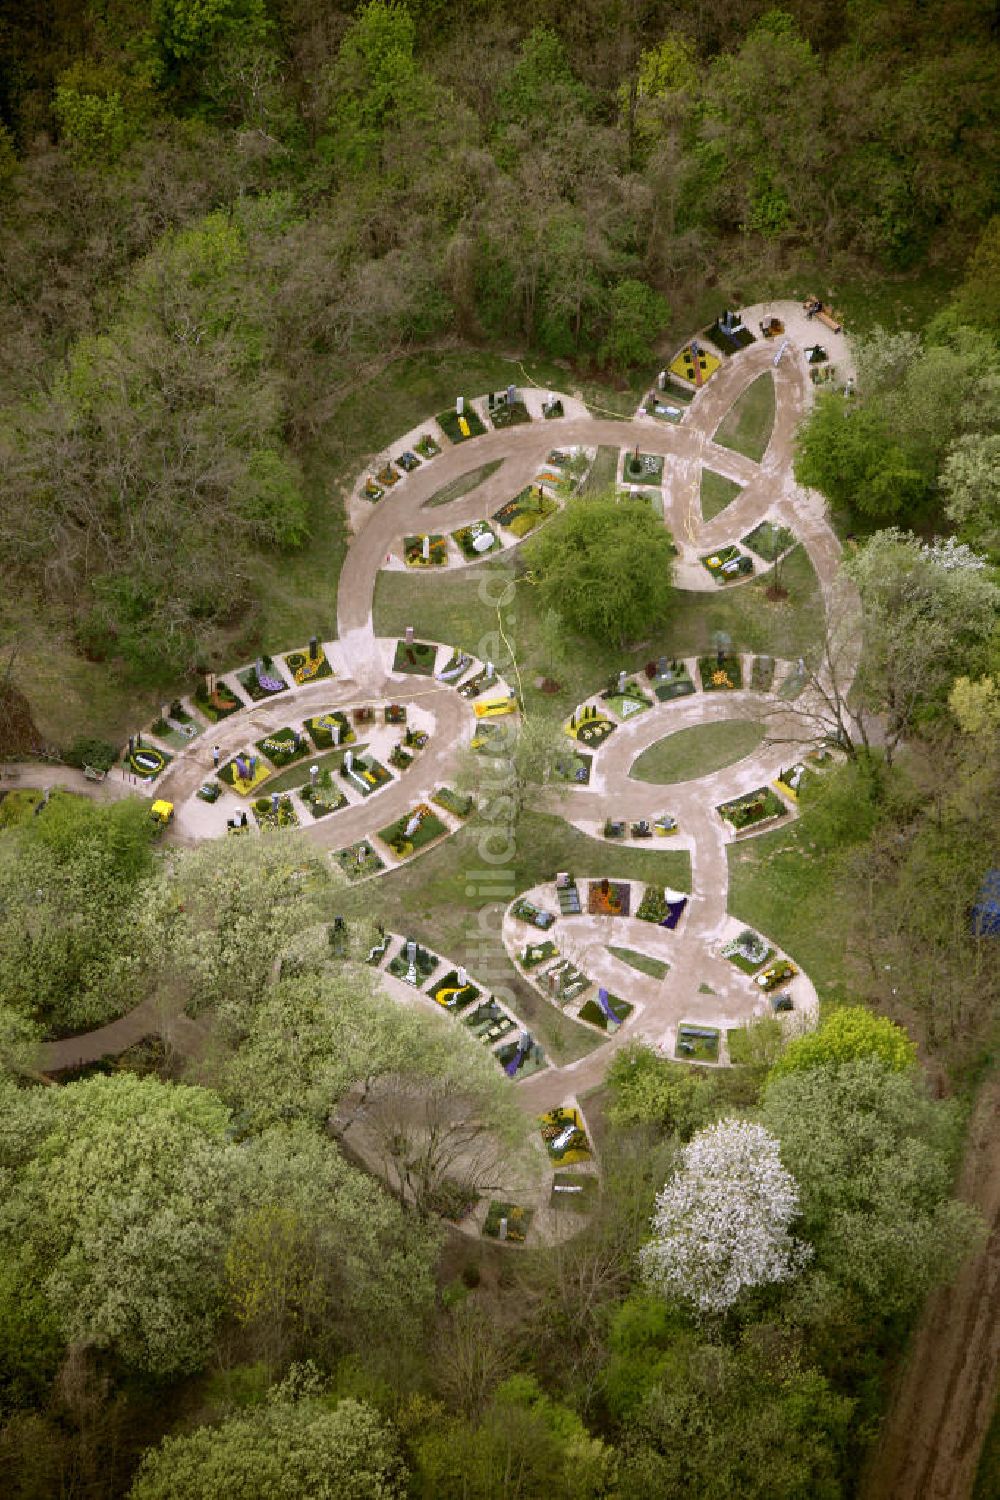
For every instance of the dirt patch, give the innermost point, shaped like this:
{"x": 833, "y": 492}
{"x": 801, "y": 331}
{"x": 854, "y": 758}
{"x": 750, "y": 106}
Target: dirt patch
{"x": 945, "y": 1394}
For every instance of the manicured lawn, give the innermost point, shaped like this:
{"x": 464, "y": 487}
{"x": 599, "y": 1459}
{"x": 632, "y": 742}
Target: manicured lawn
{"x": 768, "y": 540}
{"x": 747, "y": 426}
{"x": 450, "y": 423}
{"x": 716, "y": 493}
{"x": 654, "y": 967}
{"x": 464, "y": 484}
{"x": 454, "y": 609}
{"x": 603, "y": 472}
{"x": 697, "y": 751}
{"x": 787, "y": 891}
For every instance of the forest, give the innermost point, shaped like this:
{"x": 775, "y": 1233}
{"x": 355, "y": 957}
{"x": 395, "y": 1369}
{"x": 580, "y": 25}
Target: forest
{"x": 244, "y": 245}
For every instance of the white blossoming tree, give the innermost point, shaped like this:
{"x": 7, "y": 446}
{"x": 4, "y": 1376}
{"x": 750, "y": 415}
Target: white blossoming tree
{"x": 722, "y": 1223}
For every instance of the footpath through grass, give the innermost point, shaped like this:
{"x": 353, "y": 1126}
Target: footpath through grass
{"x": 747, "y": 426}
{"x": 603, "y": 471}
{"x": 697, "y": 751}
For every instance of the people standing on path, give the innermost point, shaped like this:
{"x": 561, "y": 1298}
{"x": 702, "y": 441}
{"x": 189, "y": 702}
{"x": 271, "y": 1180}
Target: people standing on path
{"x": 216, "y": 752}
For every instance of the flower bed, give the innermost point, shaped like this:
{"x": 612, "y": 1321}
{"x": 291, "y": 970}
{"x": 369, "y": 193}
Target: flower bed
{"x": 458, "y": 429}
{"x": 670, "y": 679}
{"x": 590, "y": 726}
{"x": 505, "y": 413}
{"x": 413, "y": 831}
{"x": 427, "y": 446}
{"x": 366, "y": 775}
{"x": 521, "y": 1058}
{"x": 762, "y": 674}
{"x": 576, "y": 1191}
{"x": 424, "y": 964}
{"x": 457, "y": 663}
{"x": 656, "y": 906}
{"x": 400, "y": 758}
{"x": 526, "y": 911}
{"x": 629, "y": 703}
{"x": 730, "y": 341}
{"x": 417, "y": 658}
{"x": 452, "y": 1200}
{"x": 720, "y": 676}
{"x": 575, "y": 768}
{"x": 644, "y": 468}
{"x": 477, "y": 683}
{"x": 769, "y": 541}
{"x": 695, "y": 368}
{"x": 218, "y": 704}
{"x": 552, "y": 409}
{"x": 728, "y": 564}
{"x": 320, "y": 730}
{"x": 284, "y": 746}
{"x": 538, "y": 953}
{"x": 245, "y": 772}
{"x": 488, "y": 1022}
{"x": 372, "y": 491}
{"x": 322, "y": 800}
{"x": 608, "y": 898}
{"x": 269, "y": 815}
{"x": 563, "y": 982}
{"x": 492, "y": 739}
{"x": 518, "y": 1221}
{"x": 475, "y": 540}
{"x": 261, "y": 680}
{"x": 697, "y": 1043}
{"x": 387, "y": 476}
{"x": 359, "y": 860}
{"x": 306, "y": 668}
{"x": 792, "y": 780}
{"x": 146, "y": 761}
{"x": 614, "y": 828}
{"x": 778, "y": 973}
{"x": 451, "y": 995}
{"x": 437, "y": 551}
{"x": 408, "y": 462}
{"x": 607, "y": 1011}
{"x": 754, "y": 807}
{"x": 527, "y": 509}
{"x": 454, "y": 802}
{"x": 564, "y": 1136}
{"x": 748, "y": 951}
{"x": 665, "y": 825}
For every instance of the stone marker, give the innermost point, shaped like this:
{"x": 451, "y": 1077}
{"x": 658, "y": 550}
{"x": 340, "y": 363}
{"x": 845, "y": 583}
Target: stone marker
{"x": 313, "y": 774}
{"x": 463, "y": 977}
{"x": 459, "y": 405}
{"x": 408, "y": 637}
{"x": 426, "y": 549}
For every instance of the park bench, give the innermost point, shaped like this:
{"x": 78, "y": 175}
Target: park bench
{"x": 814, "y": 308}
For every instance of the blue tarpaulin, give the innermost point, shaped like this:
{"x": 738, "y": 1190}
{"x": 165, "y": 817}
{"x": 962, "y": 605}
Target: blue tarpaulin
{"x": 985, "y": 913}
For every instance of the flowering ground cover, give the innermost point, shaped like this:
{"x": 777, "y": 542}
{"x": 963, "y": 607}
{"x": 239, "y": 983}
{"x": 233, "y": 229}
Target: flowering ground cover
{"x": 753, "y": 807}
{"x": 427, "y": 446}
{"x": 575, "y": 768}
{"x": 516, "y": 1218}
{"x": 608, "y": 898}
{"x": 477, "y": 683}
{"x": 423, "y": 965}
{"x": 748, "y": 951}
{"x": 657, "y": 906}
{"x": 437, "y": 551}
{"x": 506, "y": 413}
{"x": 262, "y": 680}
{"x": 564, "y": 1136}
{"x": 366, "y": 775}
{"x": 458, "y": 429}
{"x": 271, "y": 815}
{"x": 519, "y": 1059}
{"x": 306, "y": 668}
{"x": 669, "y": 679}
{"x": 777, "y": 973}
{"x": 488, "y": 1022}
{"x": 526, "y": 911}
{"x": 727, "y": 564}
{"x": 372, "y": 491}
{"x": 626, "y": 705}
{"x": 792, "y": 779}
{"x": 563, "y": 982}
{"x": 418, "y": 658}
{"x": 452, "y": 995}
{"x": 413, "y": 831}
{"x": 146, "y": 761}
{"x": 696, "y": 368}
{"x": 321, "y": 799}
{"x": 538, "y": 953}
{"x": 720, "y": 676}
{"x": 321, "y": 729}
{"x": 590, "y": 726}
{"x": 525, "y": 511}
{"x": 284, "y": 746}
{"x": 245, "y": 772}
{"x": 359, "y": 860}
{"x": 475, "y": 540}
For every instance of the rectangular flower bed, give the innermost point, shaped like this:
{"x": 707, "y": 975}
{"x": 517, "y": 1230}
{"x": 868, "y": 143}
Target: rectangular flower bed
{"x": 262, "y": 680}
{"x": 552, "y": 409}
{"x": 413, "y": 831}
{"x": 437, "y": 551}
{"x": 400, "y": 758}
{"x": 458, "y": 429}
{"x": 569, "y": 898}
{"x": 575, "y": 768}
{"x": 526, "y": 911}
{"x": 408, "y": 462}
{"x": 520, "y": 1058}
{"x": 762, "y": 674}
{"x": 366, "y": 774}
{"x": 657, "y": 905}
{"x": 755, "y": 807}
{"x": 748, "y": 951}
{"x": 284, "y": 746}
{"x": 322, "y": 800}
{"x": 493, "y": 739}
{"x": 563, "y": 982}
{"x": 517, "y": 1221}
{"x": 564, "y": 1136}
{"x": 423, "y": 966}
{"x": 538, "y": 953}
{"x": 769, "y": 541}
{"x": 275, "y": 815}
{"x": 576, "y": 1191}
{"x": 644, "y": 468}
{"x": 477, "y": 683}
{"x": 729, "y": 340}
{"x": 454, "y": 802}
{"x": 527, "y": 509}
{"x": 695, "y": 367}
{"x": 607, "y": 1012}
{"x": 475, "y": 540}
{"x": 359, "y": 860}
{"x": 427, "y": 446}
{"x": 452, "y": 995}
{"x": 245, "y": 772}
{"x": 727, "y": 564}
{"x": 146, "y": 761}
{"x": 417, "y": 658}
{"x": 488, "y": 1022}
{"x": 320, "y": 730}
{"x": 608, "y": 898}
{"x": 720, "y": 676}
{"x": 218, "y": 704}
{"x": 778, "y": 973}
{"x": 615, "y": 828}
{"x": 669, "y": 679}
{"x": 589, "y": 726}
{"x": 697, "y": 1043}
{"x": 792, "y": 780}
{"x": 504, "y": 413}
{"x": 306, "y": 668}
